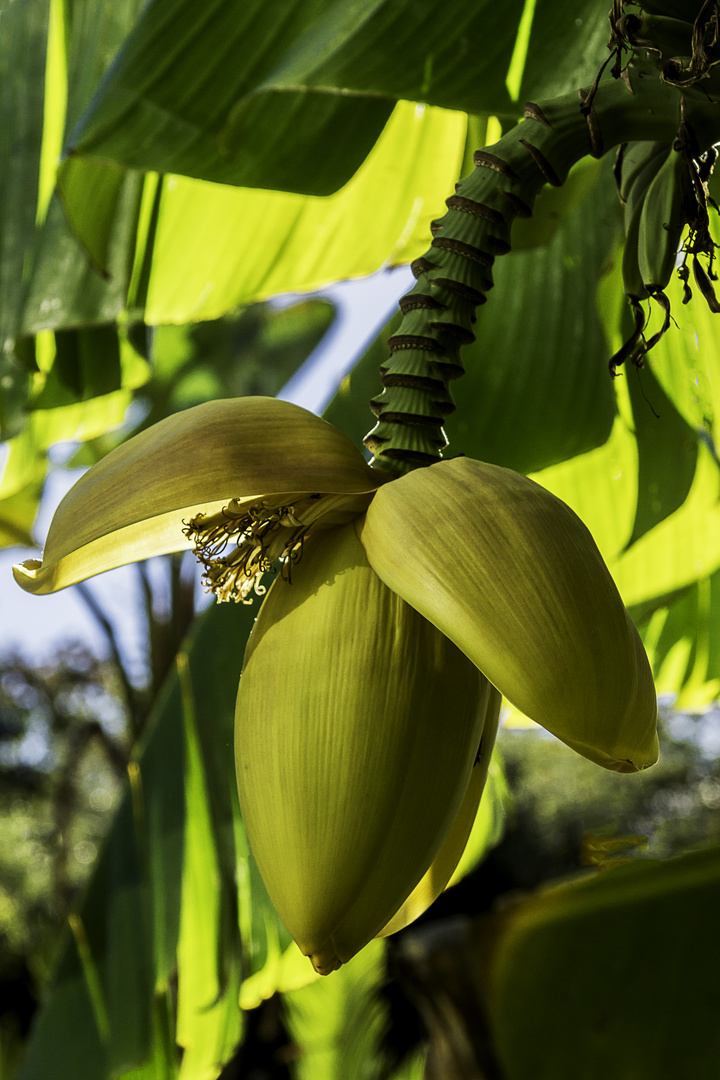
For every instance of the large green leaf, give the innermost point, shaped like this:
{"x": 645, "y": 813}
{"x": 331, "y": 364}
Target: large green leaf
{"x": 208, "y": 1017}
{"x": 687, "y": 361}
{"x": 567, "y": 45}
{"x": 93, "y": 32}
{"x": 246, "y": 94}
{"x": 683, "y": 642}
{"x": 611, "y": 976}
{"x": 680, "y": 550}
{"x": 23, "y": 37}
{"x": 656, "y": 572}
{"x": 650, "y": 493}
{"x": 669, "y": 400}
{"x": 204, "y": 249}
{"x": 45, "y": 277}
{"x": 65, "y": 290}
{"x": 602, "y": 485}
{"x": 185, "y": 87}
{"x": 183, "y": 243}
{"x": 175, "y": 892}
{"x": 216, "y": 247}
{"x": 667, "y": 452}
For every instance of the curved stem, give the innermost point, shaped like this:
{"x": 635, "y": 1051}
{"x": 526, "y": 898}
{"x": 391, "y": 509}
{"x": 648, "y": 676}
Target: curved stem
{"x": 455, "y": 274}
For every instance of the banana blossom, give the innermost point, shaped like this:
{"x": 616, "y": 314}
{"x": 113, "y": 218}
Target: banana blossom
{"x": 371, "y": 684}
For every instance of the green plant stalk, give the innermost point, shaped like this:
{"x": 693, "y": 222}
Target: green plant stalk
{"x": 455, "y": 274}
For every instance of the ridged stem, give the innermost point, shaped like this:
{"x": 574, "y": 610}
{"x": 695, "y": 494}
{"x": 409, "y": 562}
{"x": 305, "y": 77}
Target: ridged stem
{"x": 455, "y": 274}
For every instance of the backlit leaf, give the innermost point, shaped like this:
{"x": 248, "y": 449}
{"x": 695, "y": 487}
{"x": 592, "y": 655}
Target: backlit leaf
{"x": 216, "y": 247}
{"x": 135, "y": 897}
{"x": 256, "y": 114}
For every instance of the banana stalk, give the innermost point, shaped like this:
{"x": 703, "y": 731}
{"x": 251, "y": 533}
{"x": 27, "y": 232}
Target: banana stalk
{"x": 662, "y": 220}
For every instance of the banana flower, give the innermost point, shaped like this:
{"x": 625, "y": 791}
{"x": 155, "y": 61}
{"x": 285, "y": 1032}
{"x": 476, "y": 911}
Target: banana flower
{"x": 371, "y": 684}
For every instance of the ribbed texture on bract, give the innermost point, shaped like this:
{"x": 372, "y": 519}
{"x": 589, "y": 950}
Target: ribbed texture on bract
{"x": 453, "y": 846}
{"x": 515, "y": 579}
{"x": 357, "y": 727}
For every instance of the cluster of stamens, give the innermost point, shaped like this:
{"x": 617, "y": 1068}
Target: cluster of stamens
{"x": 263, "y": 535}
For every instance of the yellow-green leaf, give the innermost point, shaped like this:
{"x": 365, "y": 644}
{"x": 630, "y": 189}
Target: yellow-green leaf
{"x": 217, "y": 246}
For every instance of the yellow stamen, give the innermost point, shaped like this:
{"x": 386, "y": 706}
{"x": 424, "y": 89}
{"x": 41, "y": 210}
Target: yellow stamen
{"x": 264, "y": 534}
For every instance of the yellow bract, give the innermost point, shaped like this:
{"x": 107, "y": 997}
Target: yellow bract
{"x": 446, "y": 861}
{"x": 133, "y": 503}
{"x": 514, "y": 578}
{"x": 357, "y": 728}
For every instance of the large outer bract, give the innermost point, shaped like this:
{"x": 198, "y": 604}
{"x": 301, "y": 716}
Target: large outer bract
{"x": 515, "y": 579}
{"x": 357, "y": 726}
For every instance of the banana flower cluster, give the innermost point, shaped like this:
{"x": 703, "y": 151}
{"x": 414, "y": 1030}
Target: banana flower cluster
{"x": 402, "y": 610}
